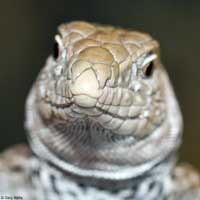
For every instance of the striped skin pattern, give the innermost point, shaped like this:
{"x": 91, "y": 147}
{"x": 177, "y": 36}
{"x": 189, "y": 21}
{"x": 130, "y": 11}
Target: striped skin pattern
{"x": 54, "y": 184}
{"x": 103, "y": 123}
{"x": 26, "y": 176}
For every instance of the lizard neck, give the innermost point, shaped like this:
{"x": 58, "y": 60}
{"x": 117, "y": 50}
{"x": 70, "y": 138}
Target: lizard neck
{"x": 50, "y": 182}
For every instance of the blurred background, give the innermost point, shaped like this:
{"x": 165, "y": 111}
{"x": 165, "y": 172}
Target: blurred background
{"x": 27, "y": 30}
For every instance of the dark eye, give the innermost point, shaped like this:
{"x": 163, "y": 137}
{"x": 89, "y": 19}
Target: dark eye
{"x": 55, "y": 50}
{"x": 149, "y": 69}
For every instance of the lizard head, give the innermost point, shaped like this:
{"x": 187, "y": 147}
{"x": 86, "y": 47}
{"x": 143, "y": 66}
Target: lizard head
{"x": 104, "y": 100}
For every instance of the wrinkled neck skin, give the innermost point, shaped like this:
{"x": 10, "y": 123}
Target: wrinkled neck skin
{"x": 81, "y": 148}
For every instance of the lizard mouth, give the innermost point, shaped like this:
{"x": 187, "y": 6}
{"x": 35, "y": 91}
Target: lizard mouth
{"x": 105, "y": 122}
{"x": 56, "y": 105}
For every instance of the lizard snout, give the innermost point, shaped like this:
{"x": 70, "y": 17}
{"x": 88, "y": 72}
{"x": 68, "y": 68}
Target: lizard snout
{"x": 85, "y": 89}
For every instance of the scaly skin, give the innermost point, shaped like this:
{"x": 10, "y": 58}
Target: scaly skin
{"x": 102, "y": 112}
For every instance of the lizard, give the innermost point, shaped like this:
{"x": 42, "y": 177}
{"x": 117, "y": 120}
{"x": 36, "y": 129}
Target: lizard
{"x": 103, "y": 123}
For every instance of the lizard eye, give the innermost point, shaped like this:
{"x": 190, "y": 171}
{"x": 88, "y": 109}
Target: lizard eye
{"x": 148, "y": 65}
{"x": 58, "y": 47}
{"x": 148, "y": 71}
{"x": 55, "y": 50}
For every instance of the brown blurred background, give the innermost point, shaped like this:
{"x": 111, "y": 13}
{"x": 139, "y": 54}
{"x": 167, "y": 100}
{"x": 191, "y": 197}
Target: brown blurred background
{"x": 26, "y": 37}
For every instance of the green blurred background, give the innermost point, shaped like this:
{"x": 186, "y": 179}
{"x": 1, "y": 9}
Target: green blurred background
{"x": 26, "y": 38}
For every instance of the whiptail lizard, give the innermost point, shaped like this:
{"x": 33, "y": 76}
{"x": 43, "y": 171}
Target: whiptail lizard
{"x": 103, "y": 123}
